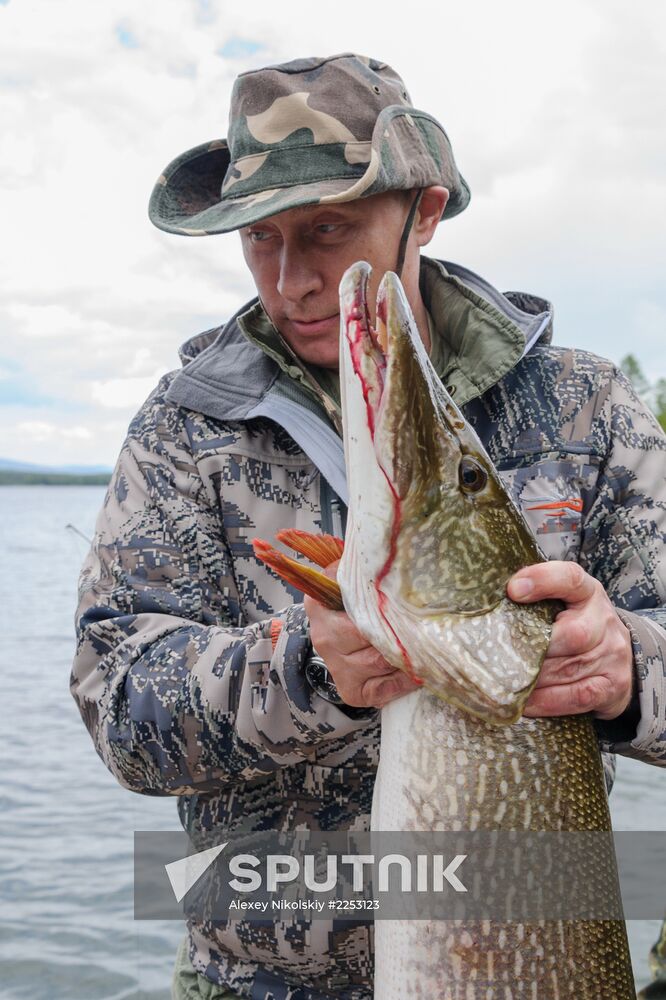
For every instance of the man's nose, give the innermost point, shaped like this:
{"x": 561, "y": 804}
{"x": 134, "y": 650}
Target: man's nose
{"x": 299, "y": 275}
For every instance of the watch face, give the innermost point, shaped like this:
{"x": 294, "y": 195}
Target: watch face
{"x": 321, "y": 681}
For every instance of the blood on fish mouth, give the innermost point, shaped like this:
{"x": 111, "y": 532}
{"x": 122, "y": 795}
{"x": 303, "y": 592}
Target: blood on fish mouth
{"x": 357, "y": 323}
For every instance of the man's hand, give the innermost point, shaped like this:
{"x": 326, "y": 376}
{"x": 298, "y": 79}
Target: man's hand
{"x": 363, "y": 677}
{"x": 589, "y": 663}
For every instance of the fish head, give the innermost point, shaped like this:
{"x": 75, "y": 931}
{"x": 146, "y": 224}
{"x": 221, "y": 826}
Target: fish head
{"x": 433, "y": 536}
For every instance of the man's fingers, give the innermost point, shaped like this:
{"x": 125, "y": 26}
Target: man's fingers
{"x": 373, "y": 685}
{"x": 332, "y": 627}
{"x": 379, "y": 691}
{"x": 331, "y": 571}
{"x": 568, "y": 699}
{"x": 575, "y": 633}
{"x": 369, "y": 661}
{"x": 589, "y": 663}
{"x": 566, "y": 669}
{"x": 342, "y": 635}
{"x": 566, "y": 581}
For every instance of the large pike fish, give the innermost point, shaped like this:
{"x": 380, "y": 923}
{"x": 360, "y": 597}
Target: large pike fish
{"x": 432, "y": 538}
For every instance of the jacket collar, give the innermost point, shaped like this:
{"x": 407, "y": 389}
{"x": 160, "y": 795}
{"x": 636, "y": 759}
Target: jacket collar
{"x": 228, "y": 371}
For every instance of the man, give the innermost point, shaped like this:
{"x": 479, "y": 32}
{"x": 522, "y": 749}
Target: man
{"x": 195, "y": 671}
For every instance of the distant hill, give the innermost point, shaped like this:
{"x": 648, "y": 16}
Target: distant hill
{"x": 12, "y": 465}
{"x": 13, "y": 473}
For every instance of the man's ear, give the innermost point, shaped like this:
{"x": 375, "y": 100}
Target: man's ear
{"x": 432, "y": 204}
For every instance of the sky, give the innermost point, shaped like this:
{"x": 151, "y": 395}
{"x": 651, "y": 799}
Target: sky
{"x": 556, "y": 114}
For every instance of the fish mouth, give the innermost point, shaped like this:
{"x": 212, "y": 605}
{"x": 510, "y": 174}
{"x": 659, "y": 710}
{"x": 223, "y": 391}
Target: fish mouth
{"x": 399, "y": 385}
{"x": 410, "y": 420}
{"x": 362, "y": 355}
{"x": 393, "y": 443}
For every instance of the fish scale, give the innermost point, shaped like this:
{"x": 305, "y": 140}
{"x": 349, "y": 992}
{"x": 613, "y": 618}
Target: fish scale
{"x": 423, "y": 577}
{"x": 426, "y": 748}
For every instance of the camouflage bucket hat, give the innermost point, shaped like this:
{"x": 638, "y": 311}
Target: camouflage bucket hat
{"x": 311, "y": 131}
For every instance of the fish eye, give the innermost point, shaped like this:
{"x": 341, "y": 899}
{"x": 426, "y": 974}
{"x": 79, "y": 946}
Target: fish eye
{"x": 471, "y": 475}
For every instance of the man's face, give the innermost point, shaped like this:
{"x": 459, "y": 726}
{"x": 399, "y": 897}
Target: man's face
{"x": 298, "y": 257}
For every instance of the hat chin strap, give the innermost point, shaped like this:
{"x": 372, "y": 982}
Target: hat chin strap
{"x": 409, "y": 222}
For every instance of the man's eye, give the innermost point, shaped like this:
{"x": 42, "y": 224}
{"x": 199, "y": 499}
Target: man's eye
{"x": 258, "y": 235}
{"x": 327, "y": 227}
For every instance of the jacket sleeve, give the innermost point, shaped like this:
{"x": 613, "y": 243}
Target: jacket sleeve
{"x": 176, "y": 694}
{"x": 623, "y": 546}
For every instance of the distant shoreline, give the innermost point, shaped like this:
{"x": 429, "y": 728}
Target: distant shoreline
{"x": 12, "y": 477}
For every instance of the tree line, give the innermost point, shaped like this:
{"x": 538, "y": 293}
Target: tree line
{"x": 654, "y": 393}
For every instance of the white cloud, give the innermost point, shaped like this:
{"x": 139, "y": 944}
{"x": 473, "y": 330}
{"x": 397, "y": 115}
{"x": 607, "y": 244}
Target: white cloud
{"x": 36, "y": 430}
{"x": 77, "y": 433}
{"x": 36, "y": 321}
{"x": 120, "y": 393}
{"x": 40, "y": 431}
{"x": 28, "y": 437}
{"x": 554, "y": 113}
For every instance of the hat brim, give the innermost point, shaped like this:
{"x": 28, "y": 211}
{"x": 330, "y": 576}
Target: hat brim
{"x": 187, "y": 197}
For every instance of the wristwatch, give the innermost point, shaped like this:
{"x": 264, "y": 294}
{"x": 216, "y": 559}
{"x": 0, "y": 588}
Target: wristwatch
{"x": 320, "y": 680}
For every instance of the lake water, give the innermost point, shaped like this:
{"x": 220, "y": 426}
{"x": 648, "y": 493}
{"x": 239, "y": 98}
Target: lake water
{"x": 66, "y": 865}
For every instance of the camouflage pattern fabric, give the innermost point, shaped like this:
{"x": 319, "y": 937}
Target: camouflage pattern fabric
{"x": 311, "y": 131}
{"x": 175, "y": 676}
{"x": 189, "y": 985}
{"x": 656, "y": 990}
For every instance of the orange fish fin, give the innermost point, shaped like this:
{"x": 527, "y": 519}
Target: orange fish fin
{"x": 321, "y": 549}
{"x": 305, "y": 578}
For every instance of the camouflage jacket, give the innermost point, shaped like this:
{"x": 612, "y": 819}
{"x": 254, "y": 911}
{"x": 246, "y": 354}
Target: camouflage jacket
{"x": 175, "y": 675}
